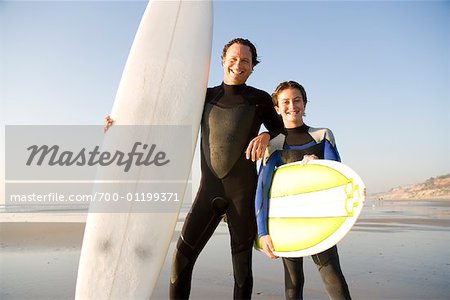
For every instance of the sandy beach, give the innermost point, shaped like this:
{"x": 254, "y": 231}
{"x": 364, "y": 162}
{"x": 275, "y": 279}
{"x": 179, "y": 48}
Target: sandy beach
{"x": 397, "y": 250}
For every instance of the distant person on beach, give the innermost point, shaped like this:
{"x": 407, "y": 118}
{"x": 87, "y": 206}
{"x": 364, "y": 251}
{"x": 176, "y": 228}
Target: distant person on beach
{"x": 230, "y": 144}
{"x": 298, "y": 143}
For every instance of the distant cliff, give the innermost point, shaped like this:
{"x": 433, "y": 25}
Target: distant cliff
{"x": 432, "y": 188}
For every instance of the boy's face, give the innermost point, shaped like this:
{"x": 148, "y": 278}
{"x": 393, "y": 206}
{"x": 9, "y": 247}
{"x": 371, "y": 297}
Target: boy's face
{"x": 291, "y": 107}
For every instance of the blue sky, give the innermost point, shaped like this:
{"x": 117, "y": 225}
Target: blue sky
{"x": 376, "y": 73}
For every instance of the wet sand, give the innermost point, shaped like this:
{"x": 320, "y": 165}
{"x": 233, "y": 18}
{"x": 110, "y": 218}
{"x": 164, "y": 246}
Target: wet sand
{"x": 397, "y": 250}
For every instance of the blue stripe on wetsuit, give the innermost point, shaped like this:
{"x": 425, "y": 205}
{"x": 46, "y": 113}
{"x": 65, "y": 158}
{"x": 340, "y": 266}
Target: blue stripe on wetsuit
{"x": 265, "y": 180}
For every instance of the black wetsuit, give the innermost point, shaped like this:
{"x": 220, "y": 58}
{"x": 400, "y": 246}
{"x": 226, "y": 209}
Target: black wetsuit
{"x": 232, "y": 117}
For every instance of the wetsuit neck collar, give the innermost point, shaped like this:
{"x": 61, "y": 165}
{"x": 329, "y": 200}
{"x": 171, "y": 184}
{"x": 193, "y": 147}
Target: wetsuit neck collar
{"x": 299, "y": 129}
{"x": 233, "y": 89}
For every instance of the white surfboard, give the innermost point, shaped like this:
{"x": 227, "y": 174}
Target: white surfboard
{"x": 312, "y": 206}
{"x": 164, "y": 83}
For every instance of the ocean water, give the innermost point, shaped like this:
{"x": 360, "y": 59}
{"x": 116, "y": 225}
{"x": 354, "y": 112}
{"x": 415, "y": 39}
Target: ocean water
{"x": 40, "y": 208}
{"x": 403, "y": 215}
{"x": 60, "y": 209}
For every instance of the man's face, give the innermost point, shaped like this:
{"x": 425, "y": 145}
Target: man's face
{"x": 237, "y": 64}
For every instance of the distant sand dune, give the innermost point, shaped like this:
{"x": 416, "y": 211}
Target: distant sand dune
{"x": 437, "y": 188}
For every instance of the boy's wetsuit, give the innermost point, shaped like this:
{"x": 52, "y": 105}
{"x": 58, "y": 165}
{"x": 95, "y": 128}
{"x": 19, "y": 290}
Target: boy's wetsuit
{"x": 285, "y": 149}
{"x": 232, "y": 117}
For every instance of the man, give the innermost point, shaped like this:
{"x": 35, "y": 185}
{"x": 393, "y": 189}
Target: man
{"x": 230, "y": 145}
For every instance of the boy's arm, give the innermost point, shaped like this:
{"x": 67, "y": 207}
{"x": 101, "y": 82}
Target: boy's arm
{"x": 262, "y": 193}
{"x": 330, "y": 150}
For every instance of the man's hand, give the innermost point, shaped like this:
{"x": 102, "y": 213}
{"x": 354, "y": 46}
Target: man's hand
{"x": 257, "y": 146}
{"x": 107, "y": 121}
